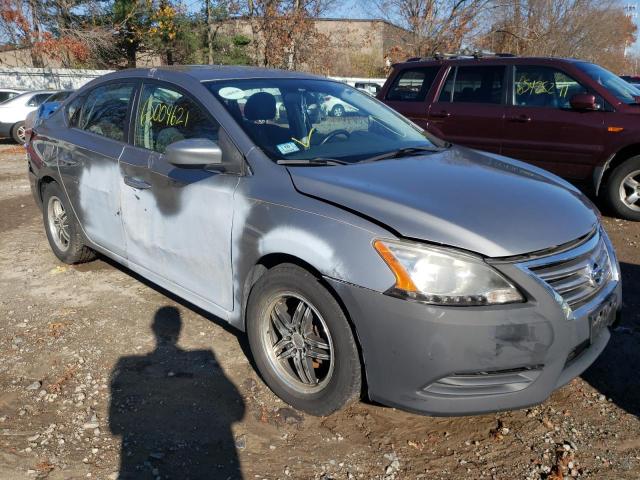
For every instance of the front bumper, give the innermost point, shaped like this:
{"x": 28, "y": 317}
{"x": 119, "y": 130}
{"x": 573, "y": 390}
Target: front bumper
{"x": 470, "y": 360}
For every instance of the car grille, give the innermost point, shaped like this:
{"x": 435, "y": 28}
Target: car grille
{"x": 577, "y": 275}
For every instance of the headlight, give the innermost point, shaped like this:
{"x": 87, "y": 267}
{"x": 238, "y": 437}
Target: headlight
{"x": 444, "y": 277}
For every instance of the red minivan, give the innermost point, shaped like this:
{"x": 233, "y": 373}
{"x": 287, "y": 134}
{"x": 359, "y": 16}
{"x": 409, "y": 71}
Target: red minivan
{"x": 571, "y": 117}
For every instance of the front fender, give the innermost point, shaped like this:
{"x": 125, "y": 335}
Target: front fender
{"x": 334, "y": 247}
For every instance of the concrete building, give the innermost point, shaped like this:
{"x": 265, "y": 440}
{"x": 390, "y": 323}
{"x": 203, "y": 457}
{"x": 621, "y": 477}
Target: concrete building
{"x": 357, "y": 47}
{"x": 20, "y": 56}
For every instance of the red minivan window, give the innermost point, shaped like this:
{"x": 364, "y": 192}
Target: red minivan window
{"x": 476, "y": 84}
{"x": 412, "y": 85}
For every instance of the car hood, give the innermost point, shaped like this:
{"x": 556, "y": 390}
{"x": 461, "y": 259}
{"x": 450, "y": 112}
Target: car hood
{"x": 477, "y": 201}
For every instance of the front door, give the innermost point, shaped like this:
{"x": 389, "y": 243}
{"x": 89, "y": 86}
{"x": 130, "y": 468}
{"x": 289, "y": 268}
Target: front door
{"x": 470, "y": 107}
{"x": 88, "y": 161}
{"x": 544, "y": 130}
{"x": 177, "y": 221}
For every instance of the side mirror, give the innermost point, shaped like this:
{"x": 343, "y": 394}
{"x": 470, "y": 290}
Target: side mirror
{"x": 194, "y": 152}
{"x": 583, "y": 101}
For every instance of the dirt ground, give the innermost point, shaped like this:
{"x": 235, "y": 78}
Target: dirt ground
{"x": 93, "y": 385}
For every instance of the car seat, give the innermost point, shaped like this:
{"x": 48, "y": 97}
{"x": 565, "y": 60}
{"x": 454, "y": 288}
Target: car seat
{"x": 260, "y": 109}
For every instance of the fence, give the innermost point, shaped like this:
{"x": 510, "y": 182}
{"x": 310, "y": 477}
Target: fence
{"x": 68, "y": 79}
{"x": 46, "y": 78}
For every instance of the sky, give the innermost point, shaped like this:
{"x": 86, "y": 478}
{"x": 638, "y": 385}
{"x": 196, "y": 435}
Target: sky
{"x": 350, "y": 9}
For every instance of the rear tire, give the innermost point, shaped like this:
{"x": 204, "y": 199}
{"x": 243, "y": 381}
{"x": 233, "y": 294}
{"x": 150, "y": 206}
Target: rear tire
{"x": 337, "y": 111}
{"x": 63, "y": 231}
{"x": 623, "y": 189}
{"x": 18, "y": 133}
{"x": 306, "y": 354}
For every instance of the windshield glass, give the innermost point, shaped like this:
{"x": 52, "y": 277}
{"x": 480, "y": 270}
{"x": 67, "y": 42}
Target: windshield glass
{"x": 297, "y": 119}
{"x": 624, "y": 91}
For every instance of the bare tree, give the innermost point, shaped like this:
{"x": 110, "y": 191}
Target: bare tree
{"x": 284, "y": 33}
{"x": 435, "y": 25}
{"x": 595, "y": 30}
{"x": 51, "y": 31}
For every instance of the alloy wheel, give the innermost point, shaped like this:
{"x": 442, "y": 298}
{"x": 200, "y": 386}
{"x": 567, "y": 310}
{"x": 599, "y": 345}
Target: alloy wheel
{"x": 338, "y": 111}
{"x": 58, "y": 223}
{"x": 21, "y": 132}
{"x": 298, "y": 343}
{"x": 630, "y": 191}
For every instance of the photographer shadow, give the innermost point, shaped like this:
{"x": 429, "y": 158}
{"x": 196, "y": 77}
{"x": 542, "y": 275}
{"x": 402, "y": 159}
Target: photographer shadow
{"x": 173, "y": 410}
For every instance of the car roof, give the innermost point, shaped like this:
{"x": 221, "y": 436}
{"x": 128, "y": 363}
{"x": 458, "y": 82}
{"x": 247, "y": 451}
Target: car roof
{"x": 38, "y": 92}
{"x": 489, "y": 60}
{"x": 205, "y": 73}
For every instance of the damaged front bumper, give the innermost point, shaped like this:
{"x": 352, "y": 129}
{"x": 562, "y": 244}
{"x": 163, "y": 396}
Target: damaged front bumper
{"x": 469, "y": 360}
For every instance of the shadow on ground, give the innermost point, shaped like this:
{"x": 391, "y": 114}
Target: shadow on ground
{"x": 615, "y": 373}
{"x": 243, "y": 342}
{"x": 173, "y": 410}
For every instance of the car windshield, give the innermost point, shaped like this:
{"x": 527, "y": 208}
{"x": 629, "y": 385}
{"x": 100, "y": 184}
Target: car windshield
{"x": 303, "y": 120}
{"x": 623, "y": 91}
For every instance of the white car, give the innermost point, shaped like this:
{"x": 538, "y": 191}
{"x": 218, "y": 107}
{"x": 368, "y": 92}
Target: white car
{"x": 14, "y": 111}
{"x": 368, "y": 87}
{"x": 335, "y": 107}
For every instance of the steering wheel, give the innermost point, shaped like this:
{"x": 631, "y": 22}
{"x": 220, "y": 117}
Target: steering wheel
{"x": 335, "y": 133}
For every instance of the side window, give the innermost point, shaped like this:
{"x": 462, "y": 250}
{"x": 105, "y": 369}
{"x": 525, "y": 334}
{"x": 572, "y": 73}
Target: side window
{"x": 166, "y": 116}
{"x": 536, "y": 86}
{"x": 73, "y": 111}
{"x": 412, "y": 85}
{"x": 38, "y": 100}
{"x": 479, "y": 84}
{"x": 445, "y": 93}
{"x": 104, "y": 111}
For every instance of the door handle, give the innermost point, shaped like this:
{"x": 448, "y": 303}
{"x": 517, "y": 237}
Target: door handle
{"x": 520, "y": 118}
{"x": 441, "y": 114}
{"x": 136, "y": 183}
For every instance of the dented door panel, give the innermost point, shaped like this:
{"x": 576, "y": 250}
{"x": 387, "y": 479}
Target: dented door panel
{"x": 177, "y": 223}
{"x": 89, "y": 172}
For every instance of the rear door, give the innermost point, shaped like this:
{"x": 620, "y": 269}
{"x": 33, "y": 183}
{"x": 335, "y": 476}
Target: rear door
{"x": 88, "y": 156}
{"x": 544, "y": 130}
{"x": 177, "y": 221}
{"x": 409, "y": 90}
{"x": 470, "y": 108}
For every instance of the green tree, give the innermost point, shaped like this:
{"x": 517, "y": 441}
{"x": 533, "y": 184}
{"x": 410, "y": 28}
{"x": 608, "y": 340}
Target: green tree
{"x": 132, "y": 22}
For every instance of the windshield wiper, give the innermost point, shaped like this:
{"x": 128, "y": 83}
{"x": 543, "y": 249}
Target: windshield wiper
{"x": 318, "y": 161}
{"x": 401, "y": 152}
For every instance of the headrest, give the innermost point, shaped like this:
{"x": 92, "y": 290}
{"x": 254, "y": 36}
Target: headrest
{"x": 260, "y": 106}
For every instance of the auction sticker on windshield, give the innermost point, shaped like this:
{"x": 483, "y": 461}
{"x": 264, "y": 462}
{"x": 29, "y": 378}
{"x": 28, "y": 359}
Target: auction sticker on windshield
{"x": 231, "y": 93}
{"x": 286, "y": 148}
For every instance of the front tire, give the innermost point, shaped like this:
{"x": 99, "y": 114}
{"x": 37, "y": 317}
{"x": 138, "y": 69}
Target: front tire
{"x": 63, "y": 231}
{"x": 623, "y": 189}
{"x": 18, "y": 133}
{"x": 302, "y": 342}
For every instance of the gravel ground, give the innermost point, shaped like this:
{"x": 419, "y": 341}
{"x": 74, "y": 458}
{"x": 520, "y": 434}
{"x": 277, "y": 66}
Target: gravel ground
{"x": 104, "y": 375}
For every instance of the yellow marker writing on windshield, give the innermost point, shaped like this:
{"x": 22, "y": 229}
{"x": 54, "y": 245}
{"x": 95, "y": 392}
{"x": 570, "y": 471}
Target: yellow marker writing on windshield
{"x": 306, "y": 143}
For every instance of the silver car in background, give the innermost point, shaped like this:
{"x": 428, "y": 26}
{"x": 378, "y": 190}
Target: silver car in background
{"x": 14, "y": 112}
{"x": 357, "y": 252}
